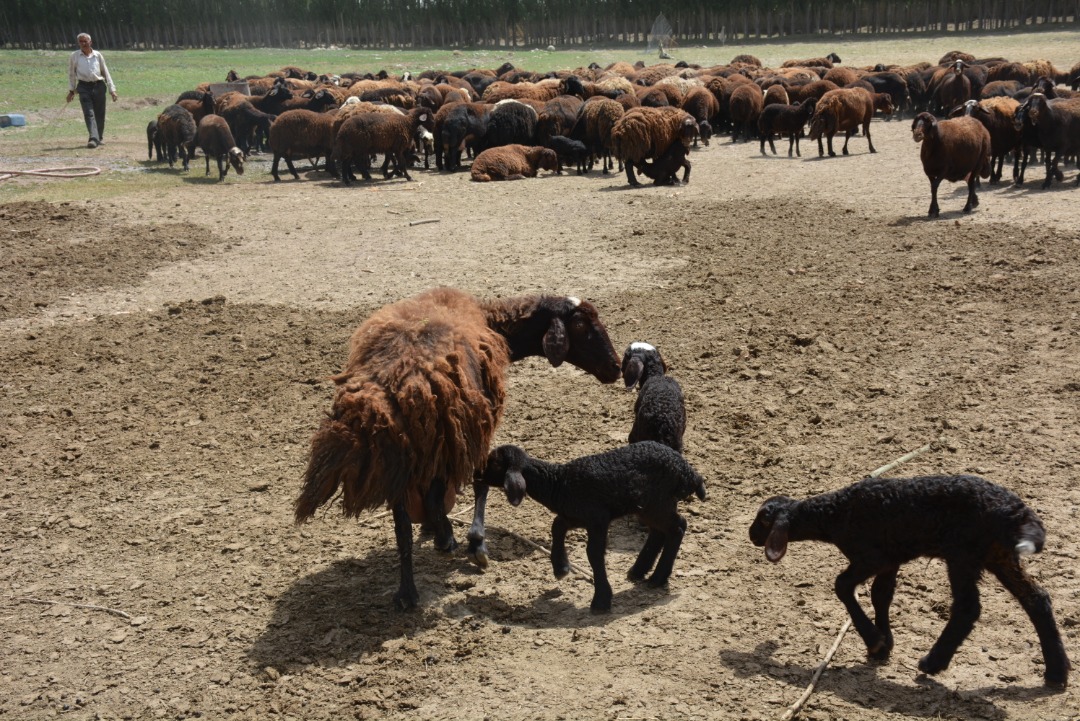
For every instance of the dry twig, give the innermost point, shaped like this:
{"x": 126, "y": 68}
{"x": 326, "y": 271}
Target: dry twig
{"x": 46, "y": 602}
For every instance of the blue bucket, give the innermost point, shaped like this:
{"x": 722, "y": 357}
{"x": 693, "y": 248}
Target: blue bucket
{"x": 12, "y": 119}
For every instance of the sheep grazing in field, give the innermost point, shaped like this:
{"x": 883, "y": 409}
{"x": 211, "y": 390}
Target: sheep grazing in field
{"x": 217, "y": 142}
{"x": 879, "y": 524}
{"x": 703, "y": 107}
{"x": 785, "y": 120}
{"x": 418, "y": 403}
{"x": 513, "y": 162}
{"x": 952, "y": 150}
{"x": 659, "y": 411}
{"x": 647, "y": 479}
{"x": 647, "y": 133}
{"x": 842, "y": 110}
{"x": 177, "y": 129}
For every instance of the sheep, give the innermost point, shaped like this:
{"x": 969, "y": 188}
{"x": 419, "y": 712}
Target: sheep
{"x": 199, "y": 107}
{"x": 154, "y": 142}
{"x": 366, "y": 134}
{"x": 703, "y": 107}
{"x": 177, "y": 129}
{"x": 844, "y": 109}
{"x": 996, "y": 114}
{"x": 1057, "y": 127}
{"x": 598, "y": 116}
{"x": 659, "y": 412}
{"x": 1074, "y": 77}
{"x": 509, "y": 122}
{"x": 775, "y": 95}
{"x": 745, "y": 107}
{"x": 458, "y": 125}
{"x": 420, "y": 398}
{"x": 957, "y": 149}
{"x": 557, "y": 117}
{"x": 569, "y": 152}
{"x": 513, "y": 162}
{"x": 499, "y": 90}
{"x": 953, "y": 87}
{"x": 786, "y": 120}
{"x": 644, "y": 133}
{"x": 217, "y": 142}
{"x": 664, "y": 169}
{"x": 302, "y": 134}
{"x": 825, "y": 62}
{"x": 648, "y": 479}
{"x": 879, "y": 524}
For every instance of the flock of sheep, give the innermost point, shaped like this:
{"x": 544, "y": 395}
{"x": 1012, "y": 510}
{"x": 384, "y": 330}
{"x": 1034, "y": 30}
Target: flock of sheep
{"x": 422, "y": 393}
{"x": 515, "y": 123}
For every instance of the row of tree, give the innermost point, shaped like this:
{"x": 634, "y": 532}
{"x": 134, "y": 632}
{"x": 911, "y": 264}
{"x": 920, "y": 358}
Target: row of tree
{"x": 162, "y": 24}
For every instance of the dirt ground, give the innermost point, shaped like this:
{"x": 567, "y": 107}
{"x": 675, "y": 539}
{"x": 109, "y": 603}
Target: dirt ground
{"x": 165, "y": 361}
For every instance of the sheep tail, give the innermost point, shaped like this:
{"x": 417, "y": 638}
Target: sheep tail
{"x": 1032, "y": 536}
{"x": 334, "y": 460}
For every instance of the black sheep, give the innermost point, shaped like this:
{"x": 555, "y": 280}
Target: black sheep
{"x": 785, "y": 120}
{"x": 646, "y": 478}
{"x": 659, "y": 412}
{"x": 880, "y": 524}
{"x": 570, "y": 152}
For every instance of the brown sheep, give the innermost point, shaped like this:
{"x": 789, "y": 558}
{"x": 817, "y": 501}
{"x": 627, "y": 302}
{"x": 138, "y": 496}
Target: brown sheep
{"x": 598, "y": 117}
{"x": 418, "y": 403}
{"x": 177, "y": 129}
{"x": 776, "y": 95}
{"x": 513, "y": 162}
{"x": 366, "y": 134}
{"x": 704, "y": 107}
{"x": 744, "y": 107}
{"x": 842, "y": 110}
{"x": 996, "y": 115}
{"x": 557, "y": 117}
{"x": 952, "y": 150}
{"x": 647, "y": 133}
{"x": 216, "y": 141}
{"x": 815, "y": 90}
{"x": 543, "y": 91}
{"x": 199, "y": 108}
{"x": 302, "y": 134}
{"x": 825, "y": 62}
{"x": 842, "y": 76}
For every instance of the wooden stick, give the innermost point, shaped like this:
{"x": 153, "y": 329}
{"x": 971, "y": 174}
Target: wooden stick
{"x": 425, "y": 220}
{"x": 115, "y": 612}
{"x": 797, "y": 706}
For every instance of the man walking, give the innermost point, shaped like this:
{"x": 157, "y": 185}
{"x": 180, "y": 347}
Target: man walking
{"x": 88, "y": 76}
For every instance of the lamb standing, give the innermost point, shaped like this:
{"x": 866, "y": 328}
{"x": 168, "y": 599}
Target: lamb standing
{"x": 645, "y": 478}
{"x": 659, "y": 412}
{"x": 879, "y": 524}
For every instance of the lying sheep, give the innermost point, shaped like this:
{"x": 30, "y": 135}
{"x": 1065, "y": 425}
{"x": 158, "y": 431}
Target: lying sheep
{"x": 513, "y": 162}
{"x": 880, "y": 524}
{"x": 659, "y": 412}
{"x": 217, "y": 142}
{"x": 952, "y": 150}
{"x": 648, "y": 479}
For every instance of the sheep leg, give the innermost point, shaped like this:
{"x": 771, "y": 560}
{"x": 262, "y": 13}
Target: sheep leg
{"x": 435, "y": 510}
{"x": 832, "y": 153}
{"x": 208, "y": 165}
{"x": 647, "y": 556}
{"x": 595, "y": 549}
{"x": 1051, "y": 168}
{"x": 772, "y": 146}
{"x": 821, "y": 148}
{"x": 963, "y": 579}
{"x": 881, "y": 596}
{"x": 972, "y": 199}
{"x": 847, "y": 137}
{"x": 478, "y": 551}
{"x": 672, "y": 540}
{"x": 1036, "y": 603}
{"x": 407, "y": 596}
{"x": 630, "y": 177}
{"x": 995, "y": 176}
{"x": 935, "y": 210}
{"x": 845, "y": 591}
{"x": 866, "y": 132}
{"x": 560, "y": 563}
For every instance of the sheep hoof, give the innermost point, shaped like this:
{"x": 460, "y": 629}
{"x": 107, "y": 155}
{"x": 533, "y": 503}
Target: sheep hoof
{"x": 930, "y": 666}
{"x": 1056, "y": 679}
{"x": 479, "y": 556}
{"x": 562, "y": 572}
{"x": 880, "y": 651}
{"x": 600, "y": 605}
{"x": 406, "y": 600}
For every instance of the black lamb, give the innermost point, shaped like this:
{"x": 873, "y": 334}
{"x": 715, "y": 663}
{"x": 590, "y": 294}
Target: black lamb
{"x": 646, "y": 478}
{"x": 879, "y": 524}
{"x": 659, "y": 412}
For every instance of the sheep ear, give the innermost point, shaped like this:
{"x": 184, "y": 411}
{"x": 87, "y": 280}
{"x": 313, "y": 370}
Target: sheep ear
{"x": 776, "y": 543}
{"x": 556, "y": 343}
{"x": 514, "y": 485}
{"x": 631, "y": 371}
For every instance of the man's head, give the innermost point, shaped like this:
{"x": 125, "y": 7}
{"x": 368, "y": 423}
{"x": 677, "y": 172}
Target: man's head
{"x": 83, "y": 40}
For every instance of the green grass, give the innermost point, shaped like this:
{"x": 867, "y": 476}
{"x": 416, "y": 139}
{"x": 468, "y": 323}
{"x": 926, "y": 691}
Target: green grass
{"x": 34, "y": 83}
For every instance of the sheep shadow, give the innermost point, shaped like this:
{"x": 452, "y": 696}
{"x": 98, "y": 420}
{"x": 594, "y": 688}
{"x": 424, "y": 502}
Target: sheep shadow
{"x": 863, "y": 685}
{"x": 347, "y": 610}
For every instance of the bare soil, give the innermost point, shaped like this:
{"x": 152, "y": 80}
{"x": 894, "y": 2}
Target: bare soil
{"x": 166, "y": 361}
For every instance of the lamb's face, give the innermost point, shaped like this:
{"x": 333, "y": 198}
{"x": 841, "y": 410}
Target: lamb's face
{"x": 769, "y": 528}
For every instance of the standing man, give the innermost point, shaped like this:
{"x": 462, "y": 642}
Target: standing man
{"x": 88, "y": 75}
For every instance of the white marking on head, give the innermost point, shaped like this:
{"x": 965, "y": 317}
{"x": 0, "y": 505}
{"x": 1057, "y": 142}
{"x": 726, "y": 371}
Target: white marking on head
{"x": 641, "y": 345}
{"x": 1025, "y": 547}
{"x": 574, "y": 302}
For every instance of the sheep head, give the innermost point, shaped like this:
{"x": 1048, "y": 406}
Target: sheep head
{"x": 576, "y": 335}
{"x": 236, "y": 159}
{"x": 770, "y": 527}
{"x": 923, "y": 125}
{"x": 503, "y": 470}
{"x": 634, "y": 363}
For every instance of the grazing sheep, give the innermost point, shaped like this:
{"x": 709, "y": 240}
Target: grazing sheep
{"x": 418, "y": 403}
{"x": 786, "y": 120}
{"x": 366, "y": 134}
{"x": 570, "y": 152}
{"x": 952, "y": 150}
{"x": 177, "y": 129}
{"x": 648, "y": 479}
{"x": 879, "y": 524}
{"x": 217, "y": 142}
{"x": 249, "y": 125}
{"x": 302, "y": 134}
{"x": 842, "y": 110}
{"x": 153, "y": 141}
{"x": 513, "y": 162}
{"x": 659, "y": 412}
{"x": 703, "y": 107}
{"x": 646, "y": 133}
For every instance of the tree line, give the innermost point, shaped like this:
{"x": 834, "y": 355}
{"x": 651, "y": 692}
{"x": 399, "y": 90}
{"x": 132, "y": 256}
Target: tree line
{"x": 163, "y": 24}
